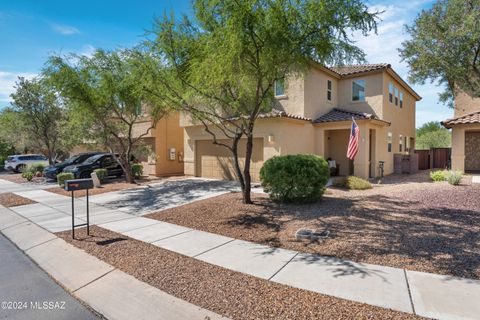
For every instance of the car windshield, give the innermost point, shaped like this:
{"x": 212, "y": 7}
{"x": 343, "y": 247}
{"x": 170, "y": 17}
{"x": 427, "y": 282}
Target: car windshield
{"x": 93, "y": 159}
{"x": 73, "y": 160}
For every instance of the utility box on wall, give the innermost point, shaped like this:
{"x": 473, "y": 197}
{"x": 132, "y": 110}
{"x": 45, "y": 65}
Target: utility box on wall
{"x": 172, "y": 154}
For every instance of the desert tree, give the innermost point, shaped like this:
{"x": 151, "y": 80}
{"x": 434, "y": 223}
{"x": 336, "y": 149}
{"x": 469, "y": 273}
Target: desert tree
{"x": 445, "y": 47}
{"x": 106, "y": 91}
{"x": 221, "y": 65}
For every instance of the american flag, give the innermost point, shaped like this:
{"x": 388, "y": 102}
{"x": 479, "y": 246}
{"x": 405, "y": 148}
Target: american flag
{"x": 353, "y": 142}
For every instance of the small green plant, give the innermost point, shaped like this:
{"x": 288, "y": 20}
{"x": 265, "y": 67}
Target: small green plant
{"x": 37, "y": 167}
{"x": 64, "y": 176}
{"x": 295, "y": 178}
{"x": 438, "y": 175}
{"x": 352, "y": 183}
{"x": 453, "y": 177}
{"x": 137, "y": 170}
{"x": 28, "y": 175}
{"x": 102, "y": 174}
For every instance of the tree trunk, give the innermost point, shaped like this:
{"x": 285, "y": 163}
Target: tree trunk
{"x": 246, "y": 171}
{"x": 129, "y": 178}
{"x": 236, "y": 164}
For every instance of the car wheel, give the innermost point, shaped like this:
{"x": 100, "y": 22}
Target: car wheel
{"x": 20, "y": 168}
{"x": 85, "y": 175}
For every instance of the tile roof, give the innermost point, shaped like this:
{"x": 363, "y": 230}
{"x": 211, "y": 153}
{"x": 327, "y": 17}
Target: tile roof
{"x": 347, "y": 70}
{"x": 343, "y": 115}
{"x": 466, "y": 119}
{"x": 275, "y": 113}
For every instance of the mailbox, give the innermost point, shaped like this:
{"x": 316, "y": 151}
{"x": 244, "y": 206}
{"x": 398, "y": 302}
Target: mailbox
{"x": 78, "y": 184}
{"x": 74, "y": 185}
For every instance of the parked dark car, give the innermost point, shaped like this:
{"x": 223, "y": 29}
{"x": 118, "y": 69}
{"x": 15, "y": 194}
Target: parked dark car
{"x": 99, "y": 161}
{"x": 52, "y": 171}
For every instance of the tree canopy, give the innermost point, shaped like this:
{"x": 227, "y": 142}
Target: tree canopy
{"x": 106, "y": 91}
{"x": 221, "y": 67}
{"x": 445, "y": 47}
{"x": 432, "y": 135}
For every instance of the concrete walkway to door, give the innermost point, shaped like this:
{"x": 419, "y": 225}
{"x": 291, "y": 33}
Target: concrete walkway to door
{"x": 429, "y": 295}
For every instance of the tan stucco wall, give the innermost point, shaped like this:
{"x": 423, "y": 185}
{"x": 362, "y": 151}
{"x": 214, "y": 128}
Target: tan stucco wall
{"x": 373, "y": 94}
{"x": 462, "y": 134}
{"x": 166, "y": 134}
{"x": 315, "y": 93}
{"x": 465, "y": 104}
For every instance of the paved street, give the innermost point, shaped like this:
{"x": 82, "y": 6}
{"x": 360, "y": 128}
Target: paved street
{"x": 24, "y": 283}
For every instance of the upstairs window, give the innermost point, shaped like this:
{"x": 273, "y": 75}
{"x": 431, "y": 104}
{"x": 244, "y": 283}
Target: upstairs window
{"x": 400, "y": 143}
{"x": 401, "y": 99}
{"x": 329, "y": 90}
{"x": 390, "y": 92}
{"x": 389, "y": 141}
{"x": 396, "y": 96}
{"x": 279, "y": 87}
{"x": 358, "y": 90}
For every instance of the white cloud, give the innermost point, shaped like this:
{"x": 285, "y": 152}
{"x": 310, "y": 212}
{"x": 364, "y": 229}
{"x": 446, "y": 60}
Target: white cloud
{"x": 7, "y": 83}
{"x": 64, "y": 29}
{"x": 87, "y": 50}
{"x": 383, "y": 47}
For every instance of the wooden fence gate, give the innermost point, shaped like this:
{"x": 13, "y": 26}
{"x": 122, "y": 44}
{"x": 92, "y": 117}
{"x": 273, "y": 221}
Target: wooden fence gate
{"x": 434, "y": 158}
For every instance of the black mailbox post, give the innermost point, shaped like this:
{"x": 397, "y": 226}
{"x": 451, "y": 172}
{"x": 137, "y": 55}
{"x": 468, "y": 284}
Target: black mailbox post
{"x": 74, "y": 185}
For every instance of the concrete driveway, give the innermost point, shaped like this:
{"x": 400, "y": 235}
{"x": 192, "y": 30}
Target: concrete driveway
{"x": 164, "y": 195}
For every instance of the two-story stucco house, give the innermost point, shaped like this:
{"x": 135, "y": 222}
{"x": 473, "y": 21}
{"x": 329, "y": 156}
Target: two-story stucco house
{"x": 313, "y": 115}
{"x": 465, "y": 126}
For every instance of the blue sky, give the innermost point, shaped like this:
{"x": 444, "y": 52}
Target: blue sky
{"x": 32, "y": 30}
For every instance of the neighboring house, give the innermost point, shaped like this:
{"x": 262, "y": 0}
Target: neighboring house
{"x": 465, "y": 133}
{"x": 165, "y": 144}
{"x": 313, "y": 115}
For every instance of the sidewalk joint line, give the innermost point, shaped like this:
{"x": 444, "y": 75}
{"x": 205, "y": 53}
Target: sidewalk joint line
{"x": 16, "y": 224}
{"x": 216, "y": 247}
{"x": 409, "y": 292}
{"x": 40, "y": 243}
{"x": 128, "y": 230}
{"x": 98, "y": 278}
{"x": 296, "y": 254}
{"x": 170, "y": 236}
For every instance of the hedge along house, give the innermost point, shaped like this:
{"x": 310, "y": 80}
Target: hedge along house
{"x": 313, "y": 115}
{"x": 465, "y": 126}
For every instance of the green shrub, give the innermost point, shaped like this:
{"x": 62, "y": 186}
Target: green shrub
{"x": 36, "y": 167}
{"x": 102, "y": 174}
{"x": 137, "y": 170}
{"x": 28, "y": 175}
{"x": 295, "y": 178}
{"x": 438, "y": 175}
{"x": 62, "y": 177}
{"x": 352, "y": 183}
{"x": 453, "y": 177}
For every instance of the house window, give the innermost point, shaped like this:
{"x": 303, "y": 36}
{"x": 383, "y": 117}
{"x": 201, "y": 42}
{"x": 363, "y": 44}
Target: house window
{"x": 396, "y": 96}
{"x": 401, "y": 99}
{"x": 329, "y": 90}
{"x": 280, "y": 87}
{"x": 400, "y": 143}
{"x": 389, "y": 141}
{"x": 358, "y": 90}
{"x": 405, "y": 140}
{"x": 390, "y": 92}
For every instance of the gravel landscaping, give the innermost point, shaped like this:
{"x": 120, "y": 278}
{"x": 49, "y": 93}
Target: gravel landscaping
{"x": 226, "y": 292}
{"x": 405, "y": 222}
{"x": 9, "y": 199}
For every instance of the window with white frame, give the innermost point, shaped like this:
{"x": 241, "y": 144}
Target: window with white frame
{"x": 389, "y": 141}
{"x": 396, "y": 96}
{"x": 280, "y": 87}
{"x": 390, "y": 92}
{"x": 358, "y": 90}
{"x": 401, "y": 99}
{"x": 329, "y": 90}
{"x": 405, "y": 140}
{"x": 400, "y": 143}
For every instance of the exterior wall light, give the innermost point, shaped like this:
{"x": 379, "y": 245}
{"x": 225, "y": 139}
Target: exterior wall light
{"x": 271, "y": 138}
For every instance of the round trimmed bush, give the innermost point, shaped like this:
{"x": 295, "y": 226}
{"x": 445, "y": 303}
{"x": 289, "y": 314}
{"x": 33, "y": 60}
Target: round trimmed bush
{"x": 295, "y": 178}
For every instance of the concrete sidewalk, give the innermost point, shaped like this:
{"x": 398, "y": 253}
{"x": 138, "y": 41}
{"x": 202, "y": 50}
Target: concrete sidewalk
{"x": 111, "y": 292}
{"x": 424, "y": 294}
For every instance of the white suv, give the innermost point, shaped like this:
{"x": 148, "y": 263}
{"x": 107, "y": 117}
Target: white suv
{"x": 18, "y": 163}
